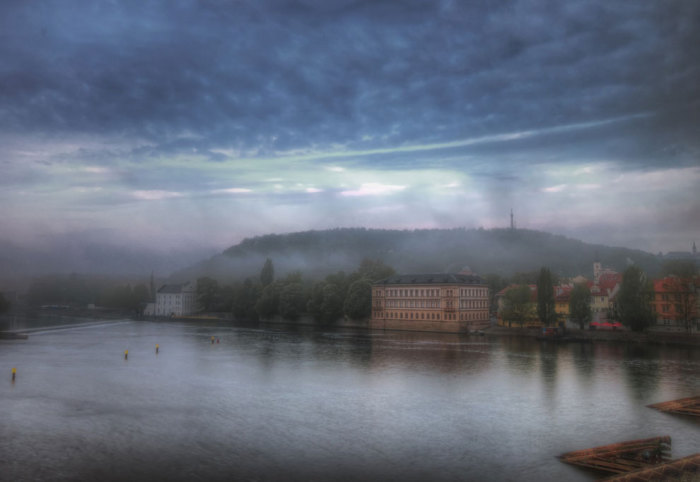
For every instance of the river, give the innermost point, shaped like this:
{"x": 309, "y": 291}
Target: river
{"x": 299, "y": 403}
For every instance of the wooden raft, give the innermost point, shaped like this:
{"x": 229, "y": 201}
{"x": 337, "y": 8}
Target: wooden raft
{"x": 622, "y": 457}
{"x": 687, "y": 468}
{"x": 686, "y": 406}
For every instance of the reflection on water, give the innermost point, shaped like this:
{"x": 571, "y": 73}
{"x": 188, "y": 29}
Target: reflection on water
{"x": 301, "y": 403}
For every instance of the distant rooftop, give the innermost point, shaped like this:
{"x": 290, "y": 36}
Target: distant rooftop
{"x": 438, "y": 278}
{"x": 173, "y": 288}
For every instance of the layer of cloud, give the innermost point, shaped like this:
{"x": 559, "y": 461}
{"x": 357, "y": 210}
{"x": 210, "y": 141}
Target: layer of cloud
{"x": 268, "y": 116}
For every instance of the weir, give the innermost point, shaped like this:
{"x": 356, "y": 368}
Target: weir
{"x": 685, "y": 406}
{"x": 622, "y": 457}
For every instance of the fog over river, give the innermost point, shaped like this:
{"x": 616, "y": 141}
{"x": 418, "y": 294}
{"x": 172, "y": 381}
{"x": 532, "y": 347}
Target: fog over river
{"x": 289, "y": 403}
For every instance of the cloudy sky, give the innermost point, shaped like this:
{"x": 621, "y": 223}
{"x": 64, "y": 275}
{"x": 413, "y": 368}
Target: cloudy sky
{"x": 199, "y": 123}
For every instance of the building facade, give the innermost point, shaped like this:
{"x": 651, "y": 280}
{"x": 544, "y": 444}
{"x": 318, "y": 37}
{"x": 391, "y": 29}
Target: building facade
{"x": 675, "y": 302}
{"x": 176, "y": 299}
{"x": 455, "y": 303}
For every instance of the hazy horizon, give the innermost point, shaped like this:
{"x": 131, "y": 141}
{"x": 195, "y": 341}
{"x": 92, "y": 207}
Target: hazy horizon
{"x": 179, "y": 129}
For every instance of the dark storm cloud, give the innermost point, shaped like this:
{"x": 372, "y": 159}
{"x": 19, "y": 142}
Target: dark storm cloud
{"x": 284, "y": 75}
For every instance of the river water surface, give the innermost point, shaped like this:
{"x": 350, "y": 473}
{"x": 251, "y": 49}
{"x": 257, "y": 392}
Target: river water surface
{"x": 281, "y": 403}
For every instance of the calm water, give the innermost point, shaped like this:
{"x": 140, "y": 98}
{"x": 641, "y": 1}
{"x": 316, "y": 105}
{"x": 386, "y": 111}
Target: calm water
{"x": 280, "y": 403}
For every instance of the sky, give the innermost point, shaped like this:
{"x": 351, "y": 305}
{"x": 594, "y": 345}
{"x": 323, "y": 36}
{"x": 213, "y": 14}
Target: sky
{"x": 194, "y": 124}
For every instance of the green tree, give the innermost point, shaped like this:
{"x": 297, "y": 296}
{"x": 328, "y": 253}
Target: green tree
{"x": 332, "y": 305}
{"x": 140, "y": 294}
{"x": 495, "y": 283}
{"x": 374, "y": 270}
{"x": 267, "y": 274}
{"x": 268, "y": 303}
{"x": 292, "y": 301}
{"x": 580, "y": 305}
{"x": 315, "y": 302}
{"x": 545, "y": 298}
{"x": 245, "y": 298}
{"x": 683, "y": 268}
{"x": 4, "y": 303}
{"x": 517, "y": 305}
{"x": 358, "y": 302}
{"x": 207, "y": 293}
{"x": 633, "y": 307}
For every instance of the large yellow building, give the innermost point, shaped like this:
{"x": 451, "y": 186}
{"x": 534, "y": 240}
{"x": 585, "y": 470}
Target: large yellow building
{"x": 455, "y": 303}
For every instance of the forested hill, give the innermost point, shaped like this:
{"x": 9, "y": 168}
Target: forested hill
{"x": 499, "y": 251}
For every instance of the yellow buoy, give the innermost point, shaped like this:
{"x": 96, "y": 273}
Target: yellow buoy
{"x": 126, "y": 354}
{"x": 14, "y": 373}
{"x": 156, "y": 348}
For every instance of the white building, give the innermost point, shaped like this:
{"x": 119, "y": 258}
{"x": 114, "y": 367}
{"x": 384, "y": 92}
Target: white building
{"x": 176, "y": 299}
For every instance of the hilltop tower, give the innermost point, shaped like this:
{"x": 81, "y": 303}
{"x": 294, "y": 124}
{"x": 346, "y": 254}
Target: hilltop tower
{"x": 512, "y": 220}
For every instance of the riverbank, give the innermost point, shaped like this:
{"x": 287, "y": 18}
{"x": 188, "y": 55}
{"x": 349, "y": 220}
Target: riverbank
{"x": 604, "y": 336}
{"x": 15, "y": 323}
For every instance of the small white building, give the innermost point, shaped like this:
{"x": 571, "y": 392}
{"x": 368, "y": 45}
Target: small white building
{"x": 176, "y": 299}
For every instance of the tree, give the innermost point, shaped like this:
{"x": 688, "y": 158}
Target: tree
{"x": 207, "y": 292}
{"x": 374, "y": 270}
{"x": 545, "y": 298}
{"x": 496, "y": 283}
{"x": 315, "y": 302}
{"x": 152, "y": 287}
{"x": 683, "y": 268}
{"x": 633, "y": 307}
{"x": 358, "y": 302}
{"x": 332, "y": 305}
{"x": 267, "y": 274}
{"x": 292, "y": 301}
{"x": 685, "y": 301}
{"x": 580, "y": 305}
{"x": 245, "y": 298}
{"x": 4, "y": 303}
{"x": 517, "y": 304}
{"x": 268, "y": 303}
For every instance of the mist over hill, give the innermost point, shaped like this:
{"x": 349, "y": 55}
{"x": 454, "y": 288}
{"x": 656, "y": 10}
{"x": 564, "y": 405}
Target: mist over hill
{"x": 498, "y": 251}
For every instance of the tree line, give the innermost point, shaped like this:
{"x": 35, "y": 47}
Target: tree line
{"x": 77, "y": 290}
{"x": 264, "y": 297}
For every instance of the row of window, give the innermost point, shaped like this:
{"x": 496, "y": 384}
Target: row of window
{"x": 666, "y": 297}
{"x": 667, "y": 308}
{"x": 433, "y": 316}
{"x": 411, "y": 293}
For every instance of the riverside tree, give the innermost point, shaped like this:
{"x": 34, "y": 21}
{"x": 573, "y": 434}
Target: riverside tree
{"x": 4, "y": 303}
{"x": 267, "y": 305}
{"x": 245, "y": 296}
{"x": 545, "y": 298}
{"x": 207, "y": 292}
{"x": 358, "y": 302}
{"x": 580, "y": 305}
{"x": 267, "y": 273}
{"x": 633, "y": 307}
{"x": 517, "y": 305}
{"x": 292, "y": 301}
